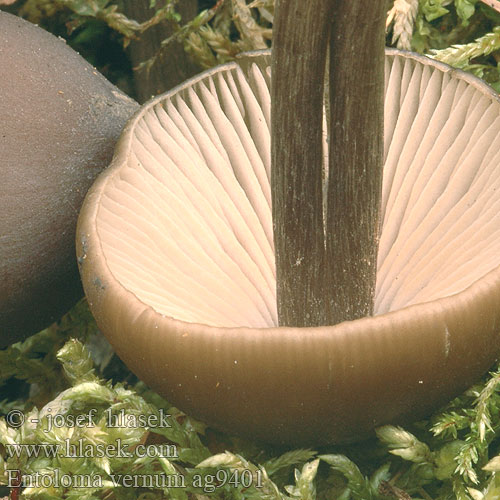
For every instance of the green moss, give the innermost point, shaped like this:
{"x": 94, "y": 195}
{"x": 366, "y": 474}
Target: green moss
{"x": 94, "y": 437}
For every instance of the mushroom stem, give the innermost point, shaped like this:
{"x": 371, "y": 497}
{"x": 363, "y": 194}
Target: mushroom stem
{"x": 326, "y": 272}
{"x": 355, "y": 158}
{"x": 298, "y": 66}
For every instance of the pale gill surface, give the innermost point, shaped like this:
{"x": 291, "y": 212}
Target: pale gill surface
{"x": 186, "y": 224}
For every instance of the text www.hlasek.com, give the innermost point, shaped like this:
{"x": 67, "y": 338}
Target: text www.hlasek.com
{"x": 82, "y": 449}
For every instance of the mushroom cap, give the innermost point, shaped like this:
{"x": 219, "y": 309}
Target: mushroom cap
{"x": 60, "y": 120}
{"x": 175, "y": 248}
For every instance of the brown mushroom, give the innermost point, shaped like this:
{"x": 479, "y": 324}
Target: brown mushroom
{"x": 176, "y": 255}
{"x": 59, "y": 123}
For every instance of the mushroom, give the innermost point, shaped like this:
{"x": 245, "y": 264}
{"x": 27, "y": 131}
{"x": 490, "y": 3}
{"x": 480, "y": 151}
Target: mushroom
{"x": 175, "y": 248}
{"x": 59, "y": 123}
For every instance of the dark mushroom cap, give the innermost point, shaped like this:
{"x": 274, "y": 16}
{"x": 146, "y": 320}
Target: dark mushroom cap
{"x": 59, "y": 123}
{"x": 176, "y": 254}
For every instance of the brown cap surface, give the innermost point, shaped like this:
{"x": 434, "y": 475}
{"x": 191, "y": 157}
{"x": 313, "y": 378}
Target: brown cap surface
{"x": 59, "y": 123}
{"x": 176, "y": 254}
